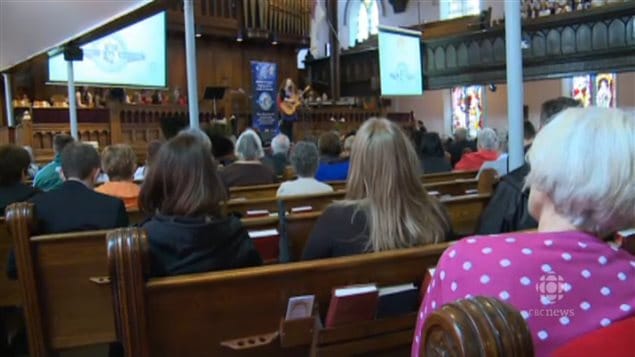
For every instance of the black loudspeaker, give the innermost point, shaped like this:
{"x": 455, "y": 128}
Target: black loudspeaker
{"x": 398, "y": 6}
{"x": 73, "y": 53}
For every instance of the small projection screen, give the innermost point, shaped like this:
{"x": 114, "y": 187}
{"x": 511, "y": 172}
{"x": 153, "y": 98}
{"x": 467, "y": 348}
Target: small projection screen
{"x": 134, "y": 56}
{"x": 400, "y": 61}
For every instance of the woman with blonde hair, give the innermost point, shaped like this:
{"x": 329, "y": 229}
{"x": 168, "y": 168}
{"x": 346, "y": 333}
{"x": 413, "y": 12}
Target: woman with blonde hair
{"x": 386, "y": 205}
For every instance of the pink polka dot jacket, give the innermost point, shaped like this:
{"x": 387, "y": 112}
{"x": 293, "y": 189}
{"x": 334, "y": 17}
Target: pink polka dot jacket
{"x": 565, "y": 284}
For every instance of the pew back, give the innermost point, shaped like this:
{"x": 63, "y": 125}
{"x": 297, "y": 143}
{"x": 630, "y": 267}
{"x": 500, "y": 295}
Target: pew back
{"x": 64, "y": 285}
{"x": 252, "y": 192}
{"x": 465, "y": 211}
{"x": 217, "y": 307}
{"x": 9, "y": 290}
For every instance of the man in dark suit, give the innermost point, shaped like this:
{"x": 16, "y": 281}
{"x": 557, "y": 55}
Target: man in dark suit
{"x": 507, "y": 210}
{"x": 75, "y": 206}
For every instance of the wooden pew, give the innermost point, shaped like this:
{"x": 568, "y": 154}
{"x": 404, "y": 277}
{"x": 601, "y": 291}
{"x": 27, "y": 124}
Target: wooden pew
{"x": 465, "y": 211}
{"x": 64, "y": 285}
{"x": 297, "y": 227}
{"x": 252, "y": 192}
{"x": 203, "y": 314}
{"x": 448, "y": 176}
{"x": 9, "y": 290}
{"x": 318, "y": 202}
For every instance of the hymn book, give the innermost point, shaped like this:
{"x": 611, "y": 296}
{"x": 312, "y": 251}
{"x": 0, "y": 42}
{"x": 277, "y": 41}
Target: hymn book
{"x": 353, "y": 303}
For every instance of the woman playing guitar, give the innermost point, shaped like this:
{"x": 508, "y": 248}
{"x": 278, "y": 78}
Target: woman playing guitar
{"x": 289, "y": 100}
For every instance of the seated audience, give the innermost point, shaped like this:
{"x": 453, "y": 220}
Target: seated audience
{"x": 14, "y": 166}
{"x": 187, "y": 232}
{"x": 248, "y": 170}
{"x": 48, "y": 178}
{"x": 75, "y": 206}
{"x": 580, "y": 194}
{"x": 119, "y": 163}
{"x": 304, "y": 160}
{"x": 153, "y": 148}
{"x": 433, "y": 158}
{"x": 487, "y": 144}
{"x": 278, "y": 160}
{"x": 507, "y": 210}
{"x": 332, "y": 166}
{"x": 223, "y": 149}
{"x": 386, "y": 205}
{"x": 460, "y": 145}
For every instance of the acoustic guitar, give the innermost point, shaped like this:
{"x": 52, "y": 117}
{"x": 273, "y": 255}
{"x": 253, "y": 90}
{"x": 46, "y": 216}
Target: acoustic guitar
{"x": 290, "y": 106}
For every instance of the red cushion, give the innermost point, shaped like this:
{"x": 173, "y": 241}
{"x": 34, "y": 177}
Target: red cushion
{"x": 616, "y": 340}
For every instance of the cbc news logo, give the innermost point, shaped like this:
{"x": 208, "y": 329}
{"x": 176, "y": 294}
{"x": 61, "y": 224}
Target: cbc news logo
{"x": 551, "y": 288}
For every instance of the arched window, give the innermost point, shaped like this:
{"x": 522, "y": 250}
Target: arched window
{"x": 467, "y": 109}
{"x": 363, "y": 21}
{"x": 457, "y": 8}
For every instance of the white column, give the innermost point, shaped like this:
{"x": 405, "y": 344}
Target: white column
{"x": 515, "y": 93}
{"x": 72, "y": 100}
{"x": 8, "y": 97}
{"x": 190, "y": 60}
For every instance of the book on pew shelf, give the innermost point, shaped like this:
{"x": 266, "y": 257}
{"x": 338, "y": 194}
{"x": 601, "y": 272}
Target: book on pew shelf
{"x": 397, "y": 300}
{"x": 433, "y": 193}
{"x": 353, "y": 303}
{"x": 299, "y": 307}
{"x": 427, "y": 280}
{"x": 267, "y": 242}
{"x": 257, "y": 212}
{"x": 471, "y": 191}
{"x": 301, "y": 209}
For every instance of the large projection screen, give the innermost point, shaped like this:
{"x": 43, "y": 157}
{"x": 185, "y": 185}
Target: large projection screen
{"x": 134, "y": 56}
{"x": 400, "y": 61}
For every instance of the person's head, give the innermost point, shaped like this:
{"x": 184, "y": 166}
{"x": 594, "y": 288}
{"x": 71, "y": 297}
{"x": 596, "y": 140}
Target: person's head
{"x": 119, "y": 162}
{"x": 60, "y": 141}
{"x": 487, "y": 139}
{"x": 529, "y": 132}
{"x": 305, "y": 159}
{"x": 200, "y": 135}
{"x": 431, "y": 145}
{"x": 588, "y": 178}
{"x": 280, "y": 144}
{"x": 329, "y": 144}
{"x": 460, "y": 134}
{"x": 153, "y": 149}
{"x": 249, "y": 146}
{"x": 554, "y": 106}
{"x": 182, "y": 180}
{"x": 348, "y": 143}
{"x": 384, "y": 182}
{"x": 14, "y": 163}
{"x": 80, "y": 161}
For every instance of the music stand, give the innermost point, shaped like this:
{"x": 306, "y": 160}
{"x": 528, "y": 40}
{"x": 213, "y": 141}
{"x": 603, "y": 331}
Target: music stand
{"x": 214, "y": 93}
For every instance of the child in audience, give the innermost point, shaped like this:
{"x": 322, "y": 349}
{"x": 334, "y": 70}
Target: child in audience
{"x": 304, "y": 159}
{"x": 119, "y": 162}
{"x": 386, "y": 205}
{"x": 564, "y": 279}
{"x": 187, "y": 232}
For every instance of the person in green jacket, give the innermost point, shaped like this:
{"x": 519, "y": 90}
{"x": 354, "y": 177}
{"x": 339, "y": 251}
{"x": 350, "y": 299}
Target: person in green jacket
{"x": 49, "y": 177}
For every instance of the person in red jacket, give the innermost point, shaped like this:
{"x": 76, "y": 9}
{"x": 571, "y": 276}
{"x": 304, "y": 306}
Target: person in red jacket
{"x": 487, "y": 145}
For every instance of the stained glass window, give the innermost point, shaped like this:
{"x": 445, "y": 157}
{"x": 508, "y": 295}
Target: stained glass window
{"x": 605, "y": 90}
{"x": 364, "y": 21}
{"x": 581, "y": 89}
{"x": 467, "y": 108}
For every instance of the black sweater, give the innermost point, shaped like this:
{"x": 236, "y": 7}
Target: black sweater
{"x": 181, "y": 245}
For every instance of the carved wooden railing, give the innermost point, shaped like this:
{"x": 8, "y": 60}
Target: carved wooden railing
{"x": 315, "y": 121}
{"x": 220, "y": 17}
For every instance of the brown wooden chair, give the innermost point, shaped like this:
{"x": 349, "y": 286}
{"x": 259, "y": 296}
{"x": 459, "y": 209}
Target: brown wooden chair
{"x": 476, "y": 327}
{"x": 64, "y": 285}
{"x": 9, "y": 290}
{"x": 240, "y": 312}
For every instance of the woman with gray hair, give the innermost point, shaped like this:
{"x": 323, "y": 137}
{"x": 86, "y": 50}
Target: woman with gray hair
{"x": 487, "y": 144}
{"x": 304, "y": 159}
{"x": 248, "y": 170}
{"x": 581, "y": 192}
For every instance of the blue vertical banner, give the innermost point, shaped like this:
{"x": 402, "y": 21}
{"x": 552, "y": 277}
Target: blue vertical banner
{"x": 265, "y": 111}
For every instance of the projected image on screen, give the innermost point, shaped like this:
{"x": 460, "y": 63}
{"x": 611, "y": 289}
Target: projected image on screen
{"x": 132, "y": 56}
{"x": 399, "y": 62}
